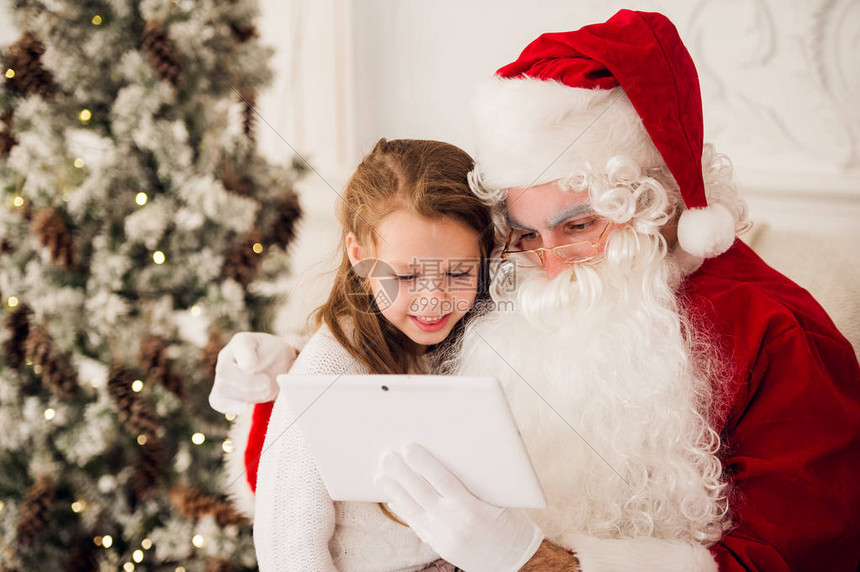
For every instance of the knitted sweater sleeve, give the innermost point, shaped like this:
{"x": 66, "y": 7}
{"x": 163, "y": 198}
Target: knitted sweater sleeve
{"x": 294, "y": 515}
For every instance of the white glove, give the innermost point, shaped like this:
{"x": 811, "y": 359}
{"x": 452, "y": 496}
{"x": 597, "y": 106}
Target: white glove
{"x": 246, "y": 371}
{"x": 465, "y": 531}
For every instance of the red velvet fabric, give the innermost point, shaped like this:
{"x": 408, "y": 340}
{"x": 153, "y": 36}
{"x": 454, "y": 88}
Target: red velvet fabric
{"x": 642, "y": 52}
{"x": 792, "y": 431}
{"x": 256, "y": 438}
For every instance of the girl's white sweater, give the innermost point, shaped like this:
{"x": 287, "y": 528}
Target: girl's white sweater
{"x": 297, "y": 527}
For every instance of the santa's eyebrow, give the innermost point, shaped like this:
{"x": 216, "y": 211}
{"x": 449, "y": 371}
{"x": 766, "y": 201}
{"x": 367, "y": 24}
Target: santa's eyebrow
{"x": 566, "y": 214}
{"x": 551, "y": 223}
{"x": 516, "y": 224}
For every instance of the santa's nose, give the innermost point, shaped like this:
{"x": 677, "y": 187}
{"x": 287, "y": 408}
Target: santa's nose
{"x": 553, "y": 265}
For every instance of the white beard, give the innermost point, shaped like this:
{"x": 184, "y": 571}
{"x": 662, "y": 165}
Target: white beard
{"x": 610, "y": 406}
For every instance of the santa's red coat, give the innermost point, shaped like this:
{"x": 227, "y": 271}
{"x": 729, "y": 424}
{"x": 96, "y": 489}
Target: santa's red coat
{"x": 791, "y": 431}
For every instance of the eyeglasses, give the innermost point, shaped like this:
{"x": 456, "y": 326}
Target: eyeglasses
{"x": 572, "y": 253}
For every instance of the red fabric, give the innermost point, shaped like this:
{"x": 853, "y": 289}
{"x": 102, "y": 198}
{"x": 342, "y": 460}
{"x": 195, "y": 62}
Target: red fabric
{"x": 642, "y": 52}
{"x": 256, "y": 438}
{"x": 792, "y": 432}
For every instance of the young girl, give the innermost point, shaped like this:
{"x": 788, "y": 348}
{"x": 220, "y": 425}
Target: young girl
{"x": 416, "y": 242}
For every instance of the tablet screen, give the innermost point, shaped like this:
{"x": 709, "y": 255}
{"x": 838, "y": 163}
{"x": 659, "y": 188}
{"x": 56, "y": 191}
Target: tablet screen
{"x": 350, "y": 421}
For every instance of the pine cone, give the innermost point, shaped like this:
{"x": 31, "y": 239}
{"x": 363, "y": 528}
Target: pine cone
{"x": 242, "y": 263}
{"x": 54, "y": 235}
{"x": 84, "y": 556}
{"x": 288, "y": 213}
{"x": 35, "y": 511}
{"x": 58, "y": 373}
{"x": 7, "y": 139}
{"x": 149, "y": 468}
{"x": 18, "y": 325}
{"x": 195, "y": 504}
{"x": 242, "y": 32}
{"x": 209, "y": 358}
{"x": 249, "y": 114}
{"x": 31, "y": 78}
{"x": 155, "y": 364}
{"x": 138, "y": 418}
{"x": 215, "y": 565}
{"x": 163, "y": 55}
{"x": 241, "y": 185}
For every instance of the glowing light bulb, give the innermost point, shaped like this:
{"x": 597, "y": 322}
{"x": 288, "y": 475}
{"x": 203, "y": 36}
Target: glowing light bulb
{"x": 13, "y": 301}
{"x": 50, "y": 413}
{"x": 180, "y": 569}
{"x": 107, "y": 541}
{"x": 257, "y": 248}
{"x": 85, "y": 115}
{"x": 141, "y": 198}
{"x": 198, "y": 438}
{"x": 197, "y": 540}
{"x": 10, "y": 73}
{"x": 146, "y": 543}
{"x": 97, "y": 20}
{"x": 227, "y": 446}
{"x": 77, "y": 506}
{"x": 136, "y": 385}
{"x": 2, "y": 504}
{"x": 196, "y": 310}
{"x": 128, "y": 567}
{"x": 141, "y": 439}
{"x": 230, "y": 416}
{"x": 79, "y": 163}
{"x": 18, "y": 201}
{"x": 137, "y": 555}
{"x": 37, "y": 370}
{"x": 158, "y": 257}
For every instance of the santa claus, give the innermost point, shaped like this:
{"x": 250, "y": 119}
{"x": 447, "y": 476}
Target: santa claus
{"x": 686, "y": 406}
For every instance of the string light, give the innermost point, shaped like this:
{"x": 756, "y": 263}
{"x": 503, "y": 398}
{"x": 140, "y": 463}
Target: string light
{"x": 50, "y": 413}
{"x": 197, "y": 540}
{"x": 227, "y": 445}
{"x": 146, "y": 543}
{"x": 85, "y": 115}
{"x": 141, "y": 439}
{"x": 97, "y": 20}
{"x": 97, "y": 540}
{"x": 136, "y": 385}
{"x": 230, "y": 416}
{"x": 196, "y": 310}
{"x": 257, "y": 248}
{"x": 13, "y": 301}
{"x": 10, "y": 73}
{"x": 77, "y": 506}
{"x": 2, "y": 505}
{"x": 79, "y": 163}
{"x": 158, "y": 257}
{"x": 37, "y": 370}
{"x": 141, "y": 198}
{"x": 107, "y": 541}
{"x": 128, "y": 567}
{"x": 18, "y": 201}
{"x": 180, "y": 569}
{"x": 198, "y": 438}
{"x": 137, "y": 556}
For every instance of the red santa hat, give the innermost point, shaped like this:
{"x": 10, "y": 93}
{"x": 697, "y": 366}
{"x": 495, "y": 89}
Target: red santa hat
{"x": 624, "y": 87}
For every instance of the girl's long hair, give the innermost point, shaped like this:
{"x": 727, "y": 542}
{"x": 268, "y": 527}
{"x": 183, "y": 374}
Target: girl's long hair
{"x": 429, "y": 179}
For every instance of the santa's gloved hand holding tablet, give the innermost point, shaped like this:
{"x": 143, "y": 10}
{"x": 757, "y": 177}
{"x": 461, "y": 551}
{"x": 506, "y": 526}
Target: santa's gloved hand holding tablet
{"x": 463, "y": 529}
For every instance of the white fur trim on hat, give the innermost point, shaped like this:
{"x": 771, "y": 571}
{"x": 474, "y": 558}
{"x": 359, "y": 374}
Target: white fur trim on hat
{"x": 529, "y": 131}
{"x": 639, "y": 555}
{"x": 706, "y": 232}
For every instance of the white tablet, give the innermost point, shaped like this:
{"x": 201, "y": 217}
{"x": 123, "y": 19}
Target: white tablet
{"x": 350, "y": 421}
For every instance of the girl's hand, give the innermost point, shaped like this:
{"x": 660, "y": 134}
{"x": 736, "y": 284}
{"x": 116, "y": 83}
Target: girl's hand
{"x": 462, "y": 529}
{"x": 246, "y": 371}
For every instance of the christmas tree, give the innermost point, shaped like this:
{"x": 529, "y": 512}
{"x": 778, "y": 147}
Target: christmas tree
{"x": 139, "y": 228}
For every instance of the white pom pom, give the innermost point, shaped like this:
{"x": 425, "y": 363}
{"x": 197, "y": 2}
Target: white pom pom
{"x": 706, "y": 232}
